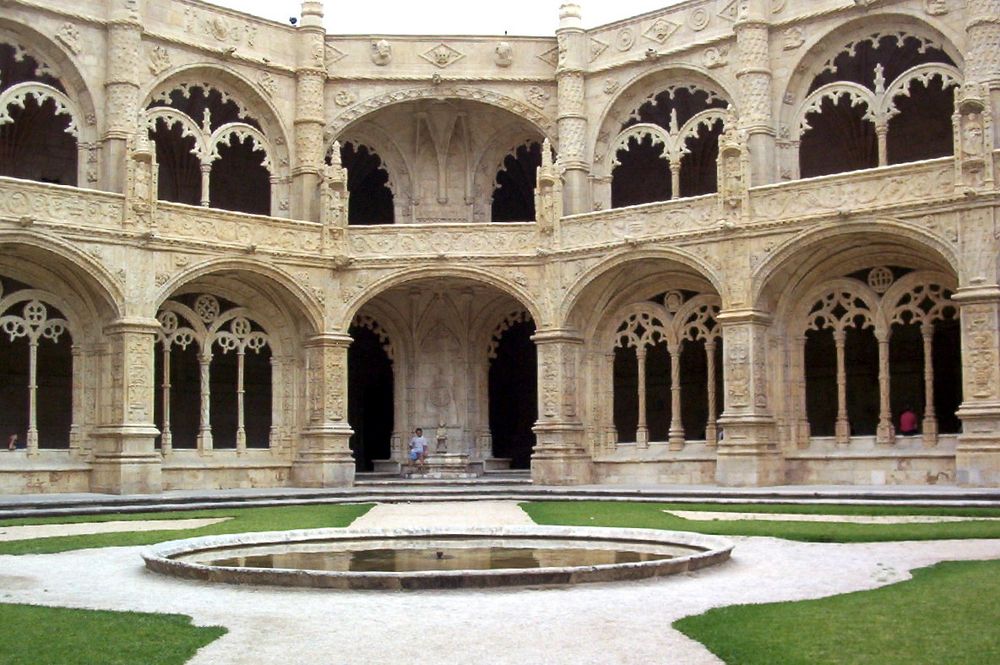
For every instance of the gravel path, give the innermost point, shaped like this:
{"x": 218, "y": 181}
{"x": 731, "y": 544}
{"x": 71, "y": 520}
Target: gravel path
{"x": 30, "y": 531}
{"x": 709, "y": 515}
{"x": 627, "y": 622}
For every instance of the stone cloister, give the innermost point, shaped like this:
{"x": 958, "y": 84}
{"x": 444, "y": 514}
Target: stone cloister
{"x": 729, "y": 242}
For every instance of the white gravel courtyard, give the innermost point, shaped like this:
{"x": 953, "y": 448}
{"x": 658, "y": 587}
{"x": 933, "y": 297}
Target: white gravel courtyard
{"x": 625, "y": 622}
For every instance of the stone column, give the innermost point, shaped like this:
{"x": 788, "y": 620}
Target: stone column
{"x": 641, "y": 430}
{"x": 121, "y": 89}
{"x": 930, "y": 424}
{"x": 977, "y": 458}
{"x": 711, "y": 428}
{"x": 748, "y": 453}
{"x": 310, "y": 78}
{"x": 842, "y": 428}
{"x": 572, "y": 120}
{"x": 125, "y": 457}
{"x": 559, "y": 457}
{"x": 676, "y": 432}
{"x": 883, "y": 432}
{"x": 754, "y": 78}
{"x": 982, "y": 59}
{"x": 324, "y": 458}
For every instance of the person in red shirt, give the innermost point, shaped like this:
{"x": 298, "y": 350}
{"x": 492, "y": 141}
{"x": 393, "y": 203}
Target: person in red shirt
{"x": 907, "y": 422}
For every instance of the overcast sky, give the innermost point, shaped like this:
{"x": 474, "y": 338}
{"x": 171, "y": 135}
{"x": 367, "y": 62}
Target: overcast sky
{"x": 472, "y": 17}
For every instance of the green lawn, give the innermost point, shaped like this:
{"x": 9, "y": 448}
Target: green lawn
{"x": 651, "y": 516}
{"x": 948, "y": 614}
{"x": 31, "y": 635}
{"x": 276, "y": 518}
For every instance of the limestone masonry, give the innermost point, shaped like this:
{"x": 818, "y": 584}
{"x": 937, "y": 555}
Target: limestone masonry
{"x": 729, "y": 242}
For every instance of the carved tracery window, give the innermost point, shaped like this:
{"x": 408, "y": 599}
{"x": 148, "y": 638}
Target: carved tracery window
{"x": 668, "y": 147}
{"x": 658, "y": 343}
{"x": 514, "y": 186}
{"x": 882, "y": 99}
{"x": 230, "y": 362}
{"x": 210, "y": 151}
{"x": 870, "y": 344}
{"x": 37, "y": 369}
{"x": 368, "y": 184}
{"x": 39, "y": 123}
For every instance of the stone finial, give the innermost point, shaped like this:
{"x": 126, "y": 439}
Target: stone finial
{"x": 570, "y": 16}
{"x": 312, "y": 14}
{"x": 335, "y": 155}
{"x": 546, "y": 154}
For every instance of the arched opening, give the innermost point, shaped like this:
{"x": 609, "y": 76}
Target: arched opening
{"x": 513, "y": 394}
{"x": 370, "y": 389}
{"x": 668, "y": 147}
{"x": 214, "y": 375}
{"x": 514, "y": 195}
{"x": 36, "y": 369}
{"x": 37, "y": 135}
{"x": 371, "y": 199}
{"x": 209, "y": 150}
{"x": 885, "y": 98}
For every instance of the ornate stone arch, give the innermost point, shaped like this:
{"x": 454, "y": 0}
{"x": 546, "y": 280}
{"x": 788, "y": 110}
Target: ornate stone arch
{"x": 507, "y": 286}
{"x": 491, "y": 160}
{"x": 384, "y": 145}
{"x": 46, "y": 262}
{"x": 290, "y": 295}
{"x": 364, "y": 108}
{"x": 818, "y": 52}
{"x": 583, "y": 282}
{"x": 58, "y": 64}
{"x": 915, "y": 239}
{"x": 641, "y": 88}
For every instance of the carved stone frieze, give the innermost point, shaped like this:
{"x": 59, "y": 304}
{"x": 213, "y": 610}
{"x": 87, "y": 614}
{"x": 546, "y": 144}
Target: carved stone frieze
{"x": 442, "y": 55}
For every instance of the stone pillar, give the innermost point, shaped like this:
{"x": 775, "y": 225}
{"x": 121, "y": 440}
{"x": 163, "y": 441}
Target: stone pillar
{"x": 641, "y": 430}
{"x": 559, "y": 457}
{"x": 572, "y": 120}
{"x": 748, "y": 452}
{"x": 930, "y": 424}
{"x": 884, "y": 432}
{"x": 125, "y": 458}
{"x": 310, "y": 78}
{"x": 676, "y": 432}
{"x": 121, "y": 89}
{"x": 982, "y": 59}
{"x": 754, "y": 78}
{"x": 324, "y": 458}
{"x": 977, "y": 458}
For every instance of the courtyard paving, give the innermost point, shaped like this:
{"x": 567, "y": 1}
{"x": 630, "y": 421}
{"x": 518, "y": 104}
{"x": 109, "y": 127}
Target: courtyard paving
{"x": 626, "y": 622}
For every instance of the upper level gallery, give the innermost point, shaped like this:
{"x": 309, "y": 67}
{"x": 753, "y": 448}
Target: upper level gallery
{"x": 207, "y": 124}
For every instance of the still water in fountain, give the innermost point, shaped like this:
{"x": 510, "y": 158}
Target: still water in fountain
{"x": 437, "y": 555}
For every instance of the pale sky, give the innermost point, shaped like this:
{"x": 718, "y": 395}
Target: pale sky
{"x": 516, "y": 17}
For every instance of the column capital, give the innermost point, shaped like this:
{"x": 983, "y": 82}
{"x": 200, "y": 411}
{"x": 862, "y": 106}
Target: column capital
{"x": 747, "y": 315}
{"x": 980, "y": 293}
{"x": 329, "y": 339}
{"x": 557, "y": 336}
{"x": 137, "y": 325}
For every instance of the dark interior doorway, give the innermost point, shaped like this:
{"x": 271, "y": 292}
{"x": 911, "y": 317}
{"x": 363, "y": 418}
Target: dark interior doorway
{"x": 369, "y": 398}
{"x": 513, "y": 389}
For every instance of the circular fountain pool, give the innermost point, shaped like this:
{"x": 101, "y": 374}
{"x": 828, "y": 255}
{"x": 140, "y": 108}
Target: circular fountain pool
{"x": 438, "y": 558}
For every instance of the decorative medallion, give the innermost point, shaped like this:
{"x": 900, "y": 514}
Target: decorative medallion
{"x": 537, "y": 96}
{"x": 267, "y": 83}
{"x": 381, "y": 52}
{"x": 625, "y": 39}
{"x": 660, "y": 30}
{"x": 503, "y": 54}
{"x": 936, "y": 7}
{"x": 673, "y": 301}
{"x": 333, "y": 55}
{"x": 442, "y": 55}
{"x": 343, "y": 98}
{"x": 610, "y": 86}
{"x": 69, "y": 35}
{"x": 698, "y": 18}
{"x": 792, "y": 39}
{"x": 159, "y": 60}
{"x": 880, "y": 279}
{"x": 716, "y": 57}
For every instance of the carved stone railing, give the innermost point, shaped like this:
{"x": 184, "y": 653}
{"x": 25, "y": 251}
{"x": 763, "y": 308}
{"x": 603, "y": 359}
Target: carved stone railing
{"x": 238, "y": 230}
{"x": 648, "y": 221}
{"x": 430, "y": 240}
{"x": 28, "y": 201}
{"x": 858, "y": 191}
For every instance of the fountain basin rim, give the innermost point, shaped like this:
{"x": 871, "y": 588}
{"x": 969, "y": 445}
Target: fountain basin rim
{"x": 163, "y": 557}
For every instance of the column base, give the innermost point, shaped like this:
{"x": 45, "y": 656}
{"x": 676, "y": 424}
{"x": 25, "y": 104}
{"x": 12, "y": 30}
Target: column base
{"x": 748, "y": 455}
{"x": 559, "y": 457}
{"x": 977, "y": 457}
{"x": 325, "y": 459}
{"x": 126, "y": 461}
